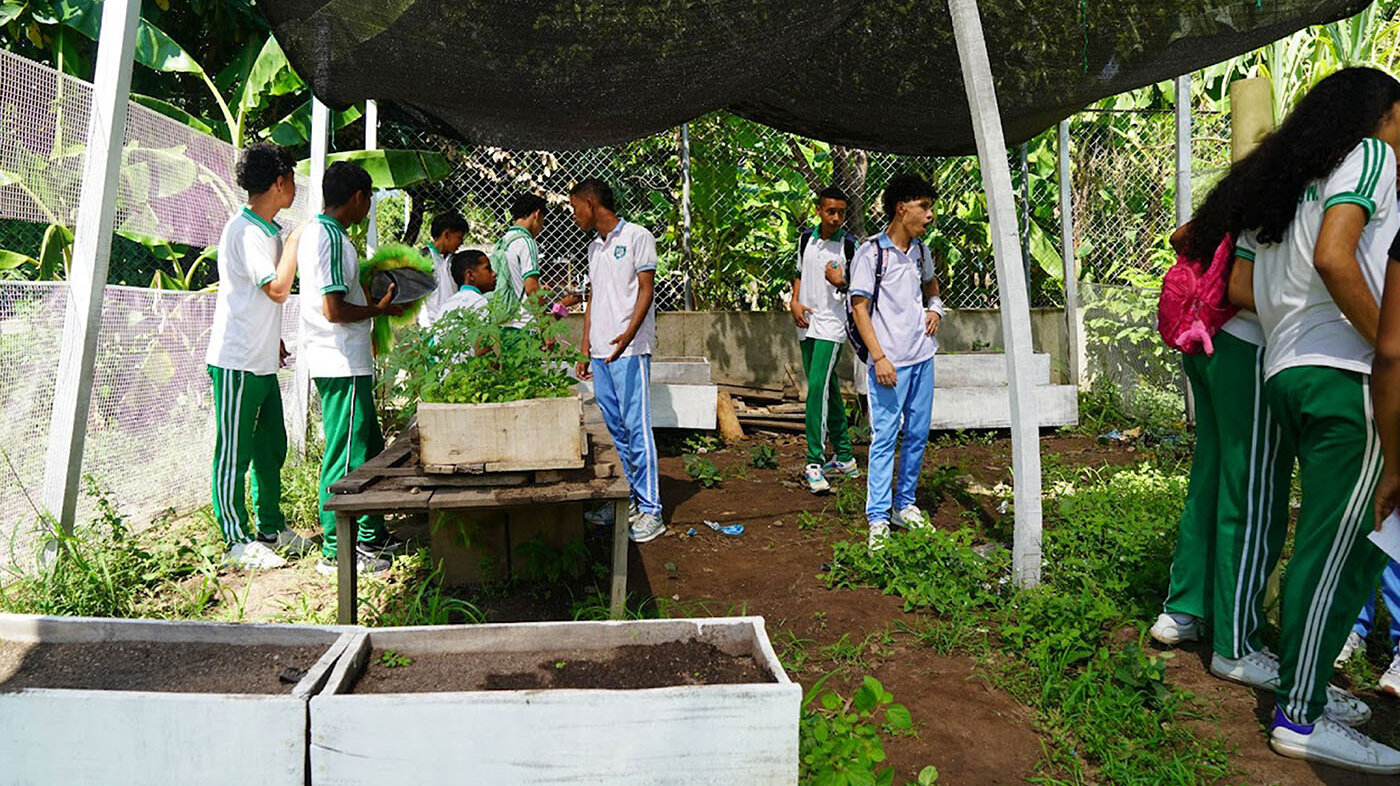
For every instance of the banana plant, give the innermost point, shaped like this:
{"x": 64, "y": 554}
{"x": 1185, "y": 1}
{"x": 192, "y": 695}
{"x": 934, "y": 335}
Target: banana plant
{"x": 55, "y": 254}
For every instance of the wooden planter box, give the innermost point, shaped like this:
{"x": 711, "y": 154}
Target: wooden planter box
{"x": 116, "y": 737}
{"x": 686, "y": 734}
{"x": 537, "y": 433}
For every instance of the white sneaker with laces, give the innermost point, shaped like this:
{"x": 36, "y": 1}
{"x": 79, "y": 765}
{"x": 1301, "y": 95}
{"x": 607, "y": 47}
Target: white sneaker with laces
{"x": 879, "y": 533}
{"x": 816, "y": 481}
{"x": 603, "y": 515}
{"x": 1353, "y": 645}
{"x": 1171, "y": 629}
{"x": 366, "y": 564}
{"x": 289, "y": 542}
{"x": 254, "y": 555}
{"x": 1330, "y": 741}
{"x": 1258, "y": 669}
{"x": 1346, "y": 707}
{"x": 646, "y": 528}
{"x": 910, "y": 517}
{"x": 1390, "y": 680}
{"x": 847, "y": 469}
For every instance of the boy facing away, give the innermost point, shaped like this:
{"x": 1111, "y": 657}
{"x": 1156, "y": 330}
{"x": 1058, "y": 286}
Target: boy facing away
{"x": 896, "y": 306}
{"x": 619, "y": 329}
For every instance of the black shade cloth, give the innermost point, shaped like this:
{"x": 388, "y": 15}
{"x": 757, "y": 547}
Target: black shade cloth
{"x": 876, "y": 74}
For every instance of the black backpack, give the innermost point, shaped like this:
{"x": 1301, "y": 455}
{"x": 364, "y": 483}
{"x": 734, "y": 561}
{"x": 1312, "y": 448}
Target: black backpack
{"x": 862, "y": 351}
{"x": 848, "y": 242}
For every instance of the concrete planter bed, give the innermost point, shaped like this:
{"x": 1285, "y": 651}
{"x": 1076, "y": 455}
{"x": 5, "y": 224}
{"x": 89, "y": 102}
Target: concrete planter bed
{"x": 142, "y": 701}
{"x": 652, "y": 701}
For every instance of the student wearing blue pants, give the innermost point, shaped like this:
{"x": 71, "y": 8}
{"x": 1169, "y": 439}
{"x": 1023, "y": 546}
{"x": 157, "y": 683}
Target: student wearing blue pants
{"x": 1356, "y": 640}
{"x": 619, "y": 329}
{"x": 896, "y": 305}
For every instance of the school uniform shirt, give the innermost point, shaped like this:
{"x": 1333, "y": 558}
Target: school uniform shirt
{"x": 613, "y": 264}
{"x": 899, "y": 310}
{"x": 1245, "y": 324}
{"x": 827, "y": 319}
{"x": 247, "y": 323}
{"x": 523, "y": 261}
{"x": 1302, "y": 324}
{"x": 468, "y": 297}
{"x": 446, "y": 288}
{"x": 326, "y": 262}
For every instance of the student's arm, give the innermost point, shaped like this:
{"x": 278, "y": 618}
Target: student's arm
{"x": 835, "y": 274}
{"x": 884, "y": 369}
{"x": 646, "y": 290}
{"x": 279, "y": 287}
{"x": 1242, "y": 283}
{"x": 1178, "y": 238}
{"x": 341, "y": 311}
{"x": 1385, "y": 393}
{"x": 933, "y": 303}
{"x": 584, "y": 367}
{"x": 1334, "y": 257}
{"x": 799, "y": 311}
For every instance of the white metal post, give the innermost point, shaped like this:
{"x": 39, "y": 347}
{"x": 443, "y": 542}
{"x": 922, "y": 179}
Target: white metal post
{"x": 685, "y": 218}
{"x": 372, "y": 143}
{"x": 301, "y": 407}
{"x": 1011, "y": 286}
{"x": 1183, "y": 184}
{"x": 92, "y": 248}
{"x": 1073, "y": 326}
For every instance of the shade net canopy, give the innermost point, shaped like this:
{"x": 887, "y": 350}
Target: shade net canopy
{"x": 876, "y": 74}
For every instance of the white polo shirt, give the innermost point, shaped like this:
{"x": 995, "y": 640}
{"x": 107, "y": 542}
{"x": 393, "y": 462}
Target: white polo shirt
{"x": 523, "y": 261}
{"x": 326, "y": 262}
{"x": 446, "y": 287}
{"x": 1302, "y": 324}
{"x": 613, "y": 264}
{"x": 827, "y": 319}
{"x": 247, "y": 323}
{"x": 468, "y": 297}
{"x": 899, "y": 310}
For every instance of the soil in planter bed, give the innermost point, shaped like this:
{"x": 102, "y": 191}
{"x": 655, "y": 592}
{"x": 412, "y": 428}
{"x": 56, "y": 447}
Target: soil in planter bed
{"x": 149, "y": 666}
{"x": 628, "y": 667}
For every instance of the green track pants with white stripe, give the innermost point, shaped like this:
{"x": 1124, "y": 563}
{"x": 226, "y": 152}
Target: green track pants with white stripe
{"x": 826, "y": 413}
{"x": 248, "y": 430}
{"x": 1326, "y": 419}
{"x": 1226, "y": 545}
{"x": 353, "y": 437}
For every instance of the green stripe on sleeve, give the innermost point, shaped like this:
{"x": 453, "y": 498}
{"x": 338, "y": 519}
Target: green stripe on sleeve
{"x": 337, "y": 257}
{"x": 1244, "y": 253}
{"x": 1351, "y": 199}
{"x": 266, "y": 279}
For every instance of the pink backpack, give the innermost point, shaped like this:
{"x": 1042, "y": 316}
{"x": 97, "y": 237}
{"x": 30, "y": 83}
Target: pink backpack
{"x": 1195, "y": 300}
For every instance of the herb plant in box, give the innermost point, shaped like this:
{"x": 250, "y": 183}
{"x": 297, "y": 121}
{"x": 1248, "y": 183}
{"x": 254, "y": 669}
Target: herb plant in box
{"x": 490, "y": 398}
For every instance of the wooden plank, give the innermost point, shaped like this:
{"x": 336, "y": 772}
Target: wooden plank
{"x": 534, "y": 434}
{"x": 390, "y": 461}
{"x": 355, "y": 656}
{"x": 317, "y": 674}
{"x": 347, "y": 596}
{"x": 472, "y": 499}
{"x": 468, "y": 481}
{"x": 617, "y": 606}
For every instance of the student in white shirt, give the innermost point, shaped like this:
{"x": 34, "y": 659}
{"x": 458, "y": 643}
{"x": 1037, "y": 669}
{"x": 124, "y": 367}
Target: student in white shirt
{"x": 619, "y": 330}
{"x": 336, "y": 317}
{"x": 447, "y": 230}
{"x": 471, "y": 270}
{"x": 517, "y": 258}
{"x": 244, "y": 354}
{"x": 896, "y": 305}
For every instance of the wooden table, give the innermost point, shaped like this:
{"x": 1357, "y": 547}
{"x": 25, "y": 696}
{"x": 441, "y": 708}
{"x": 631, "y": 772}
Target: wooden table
{"x": 394, "y": 482}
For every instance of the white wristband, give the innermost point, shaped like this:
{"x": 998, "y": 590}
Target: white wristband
{"x": 935, "y": 304}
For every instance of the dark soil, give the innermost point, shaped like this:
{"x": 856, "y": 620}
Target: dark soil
{"x": 629, "y": 667}
{"x": 163, "y": 667}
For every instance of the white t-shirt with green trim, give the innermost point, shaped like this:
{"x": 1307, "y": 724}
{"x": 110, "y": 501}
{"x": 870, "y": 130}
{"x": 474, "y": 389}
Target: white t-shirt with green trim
{"x": 446, "y": 287}
{"x": 1302, "y": 324}
{"x": 247, "y": 323}
{"x": 327, "y": 262}
{"x": 613, "y": 264}
{"x": 523, "y": 257}
{"x": 1245, "y": 324}
{"x": 827, "y": 319}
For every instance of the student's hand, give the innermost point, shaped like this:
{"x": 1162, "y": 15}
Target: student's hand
{"x": 584, "y": 369}
{"x": 885, "y": 373}
{"x": 834, "y": 275}
{"x": 383, "y": 305}
{"x": 931, "y": 320}
{"x": 570, "y": 300}
{"x": 621, "y": 342}
{"x": 282, "y": 354}
{"x": 1387, "y": 494}
{"x": 799, "y": 314}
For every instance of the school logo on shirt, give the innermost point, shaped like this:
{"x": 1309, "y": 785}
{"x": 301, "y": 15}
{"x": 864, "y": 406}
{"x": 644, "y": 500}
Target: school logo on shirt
{"x": 619, "y": 252}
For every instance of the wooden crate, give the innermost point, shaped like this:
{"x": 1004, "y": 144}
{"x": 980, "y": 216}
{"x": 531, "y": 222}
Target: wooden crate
{"x": 706, "y": 734}
{"x": 143, "y": 737}
{"x": 537, "y": 433}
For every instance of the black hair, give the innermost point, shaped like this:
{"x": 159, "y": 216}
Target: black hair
{"x": 905, "y": 188}
{"x": 447, "y": 222}
{"x": 342, "y": 181}
{"x": 525, "y": 204}
{"x": 594, "y": 187}
{"x": 1261, "y": 190}
{"x": 464, "y": 260}
{"x": 261, "y": 165}
{"x": 833, "y": 193}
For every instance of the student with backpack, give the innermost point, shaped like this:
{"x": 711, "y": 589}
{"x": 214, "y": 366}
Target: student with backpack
{"x": 516, "y": 259}
{"x": 819, "y": 310}
{"x": 895, "y": 309}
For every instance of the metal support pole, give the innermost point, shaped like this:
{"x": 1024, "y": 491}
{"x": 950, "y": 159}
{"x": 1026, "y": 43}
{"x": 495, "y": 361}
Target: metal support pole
{"x": 1011, "y": 287}
{"x": 92, "y": 248}
{"x": 685, "y": 218}
{"x": 1183, "y": 185}
{"x": 1073, "y": 325}
{"x": 372, "y": 143}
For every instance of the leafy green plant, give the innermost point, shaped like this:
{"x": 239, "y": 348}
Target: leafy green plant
{"x": 703, "y": 471}
{"x": 394, "y": 660}
{"x": 763, "y": 456}
{"x": 840, "y": 738}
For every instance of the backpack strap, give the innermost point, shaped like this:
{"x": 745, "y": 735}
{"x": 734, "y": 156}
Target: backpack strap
{"x": 802, "y": 241}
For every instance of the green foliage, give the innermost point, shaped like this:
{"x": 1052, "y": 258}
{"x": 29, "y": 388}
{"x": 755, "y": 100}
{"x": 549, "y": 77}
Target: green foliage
{"x": 703, "y": 471}
{"x": 930, "y": 569}
{"x": 537, "y": 560}
{"x": 763, "y": 456}
{"x": 840, "y": 738}
{"x": 394, "y": 660}
{"x": 414, "y": 595}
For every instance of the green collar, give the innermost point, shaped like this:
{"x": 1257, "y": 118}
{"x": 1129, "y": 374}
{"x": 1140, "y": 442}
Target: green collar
{"x": 270, "y": 227}
{"x": 468, "y": 288}
{"x": 817, "y": 234}
{"x": 325, "y": 219}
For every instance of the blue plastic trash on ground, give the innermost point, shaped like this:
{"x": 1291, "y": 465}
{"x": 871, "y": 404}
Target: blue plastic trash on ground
{"x": 731, "y": 529}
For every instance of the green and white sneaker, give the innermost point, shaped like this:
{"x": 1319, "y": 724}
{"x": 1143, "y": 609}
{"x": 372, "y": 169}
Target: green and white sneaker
{"x": 254, "y": 555}
{"x": 289, "y": 542}
{"x": 816, "y": 481}
{"x": 847, "y": 469}
{"x": 366, "y": 564}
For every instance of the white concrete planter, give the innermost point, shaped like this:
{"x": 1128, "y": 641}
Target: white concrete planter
{"x": 537, "y": 433}
{"x": 707, "y": 734}
{"x": 116, "y": 738}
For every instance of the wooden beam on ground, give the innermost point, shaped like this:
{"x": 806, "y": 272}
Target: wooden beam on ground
{"x": 1011, "y": 286}
{"x": 92, "y": 248}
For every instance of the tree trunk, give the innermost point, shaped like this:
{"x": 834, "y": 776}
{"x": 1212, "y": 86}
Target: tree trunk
{"x": 415, "y": 220}
{"x": 849, "y": 168}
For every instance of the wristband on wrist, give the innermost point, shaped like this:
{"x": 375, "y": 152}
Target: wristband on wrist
{"x": 935, "y": 304}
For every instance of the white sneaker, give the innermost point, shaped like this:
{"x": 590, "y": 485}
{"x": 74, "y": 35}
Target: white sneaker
{"x": 289, "y": 542}
{"x": 1346, "y": 707}
{"x": 1258, "y": 669}
{"x": 816, "y": 481}
{"x": 1335, "y": 743}
{"x": 1354, "y": 645}
{"x": 646, "y": 528}
{"x": 1390, "y": 680}
{"x": 369, "y": 564}
{"x": 879, "y": 533}
{"x": 603, "y": 515}
{"x": 910, "y": 517}
{"x": 1169, "y": 629}
{"x": 254, "y": 555}
{"x": 847, "y": 469}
